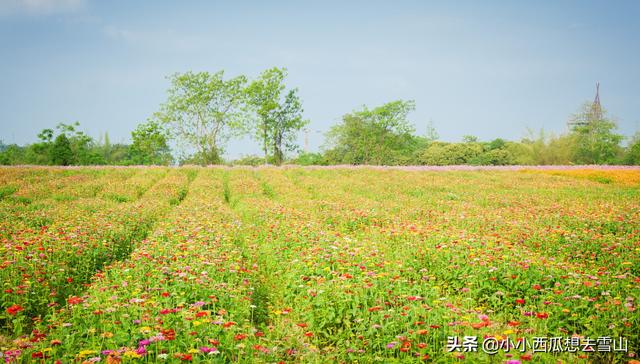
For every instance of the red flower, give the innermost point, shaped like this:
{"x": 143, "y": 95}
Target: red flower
{"x": 202, "y": 314}
{"x": 165, "y": 294}
{"x": 308, "y": 334}
{"x": 537, "y": 287}
{"x": 240, "y": 337}
{"x": 184, "y": 357}
{"x": 375, "y": 308}
{"x": 526, "y": 357}
{"x": 302, "y": 324}
{"x": 14, "y": 309}
{"x": 542, "y": 315}
{"x": 168, "y": 334}
{"x": 228, "y": 324}
{"x": 73, "y": 300}
{"x": 520, "y": 301}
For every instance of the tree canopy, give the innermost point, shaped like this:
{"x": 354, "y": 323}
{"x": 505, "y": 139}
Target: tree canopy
{"x": 279, "y": 113}
{"x": 203, "y": 110}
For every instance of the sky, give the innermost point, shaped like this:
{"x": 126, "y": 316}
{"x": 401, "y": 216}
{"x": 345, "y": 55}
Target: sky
{"x": 490, "y": 69}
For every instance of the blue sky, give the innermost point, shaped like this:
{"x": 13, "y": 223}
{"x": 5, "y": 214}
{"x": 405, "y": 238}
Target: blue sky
{"x": 490, "y": 69}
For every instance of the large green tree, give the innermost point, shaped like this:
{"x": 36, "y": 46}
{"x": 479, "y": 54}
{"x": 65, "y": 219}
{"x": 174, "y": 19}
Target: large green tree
{"x": 150, "y": 144}
{"x": 382, "y": 135}
{"x": 595, "y": 137}
{"x": 279, "y": 113}
{"x": 61, "y": 153}
{"x": 203, "y": 110}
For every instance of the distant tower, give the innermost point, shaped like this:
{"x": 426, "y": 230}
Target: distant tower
{"x": 595, "y": 112}
{"x": 596, "y": 109}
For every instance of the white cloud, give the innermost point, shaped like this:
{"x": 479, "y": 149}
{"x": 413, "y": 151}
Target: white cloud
{"x": 40, "y": 7}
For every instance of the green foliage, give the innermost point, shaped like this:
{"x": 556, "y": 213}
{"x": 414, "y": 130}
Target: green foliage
{"x": 6, "y": 191}
{"x": 250, "y": 160}
{"x": 469, "y": 139}
{"x": 380, "y": 136}
{"x": 310, "y": 159}
{"x": 203, "y": 110}
{"x": 12, "y": 155}
{"x": 149, "y": 145}
{"x": 442, "y": 154}
{"x": 112, "y": 153}
{"x": 596, "y": 141}
{"x": 632, "y": 155}
{"x": 279, "y": 114}
{"x": 61, "y": 153}
{"x": 547, "y": 149}
{"x": 82, "y": 145}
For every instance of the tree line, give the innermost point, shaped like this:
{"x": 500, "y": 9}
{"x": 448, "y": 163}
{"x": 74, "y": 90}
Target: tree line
{"x": 204, "y": 110}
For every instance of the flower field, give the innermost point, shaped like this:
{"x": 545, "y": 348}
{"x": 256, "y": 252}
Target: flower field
{"x": 362, "y": 265}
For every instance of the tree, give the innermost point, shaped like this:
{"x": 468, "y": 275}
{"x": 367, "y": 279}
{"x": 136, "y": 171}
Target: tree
{"x": 82, "y": 145}
{"x": 546, "y": 149}
{"x": 61, "y": 153}
{"x": 203, "y": 110}
{"x": 381, "y": 135}
{"x": 279, "y": 114}
{"x": 596, "y": 141}
{"x": 632, "y": 156}
{"x": 469, "y": 139}
{"x": 12, "y": 154}
{"x": 150, "y": 145}
{"x": 432, "y": 134}
{"x": 40, "y": 152}
{"x": 443, "y": 154}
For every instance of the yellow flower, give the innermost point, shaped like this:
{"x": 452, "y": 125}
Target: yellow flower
{"x": 84, "y": 353}
{"x": 131, "y": 354}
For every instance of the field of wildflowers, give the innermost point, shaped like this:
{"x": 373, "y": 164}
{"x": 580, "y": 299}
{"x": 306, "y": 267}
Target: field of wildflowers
{"x": 318, "y": 265}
